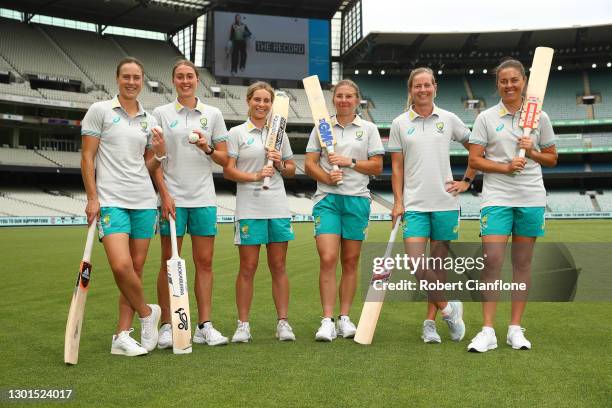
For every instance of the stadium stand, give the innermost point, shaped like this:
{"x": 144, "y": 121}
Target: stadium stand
{"x": 561, "y": 93}
{"x": 569, "y": 201}
{"x": 601, "y": 83}
{"x": 23, "y": 157}
{"x": 22, "y": 201}
{"x": 605, "y": 200}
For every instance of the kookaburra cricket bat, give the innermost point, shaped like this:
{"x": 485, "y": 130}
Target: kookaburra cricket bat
{"x": 277, "y": 123}
{"x": 179, "y": 297}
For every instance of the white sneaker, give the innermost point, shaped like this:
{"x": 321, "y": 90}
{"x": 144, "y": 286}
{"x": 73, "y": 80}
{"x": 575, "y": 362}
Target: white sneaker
{"x": 284, "y": 332}
{"x": 455, "y": 321}
{"x": 124, "y": 345}
{"x": 243, "y": 333}
{"x": 209, "y": 335}
{"x": 327, "y": 331}
{"x": 346, "y": 328}
{"x": 148, "y": 328}
{"x": 430, "y": 334}
{"x": 165, "y": 336}
{"x": 485, "y": 340}
{"x": 516, "y": 338}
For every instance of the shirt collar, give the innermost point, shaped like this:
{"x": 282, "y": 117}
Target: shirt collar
{"x": 503, "y": 111}
{"x": 412, "y": 115}
{"x": 199, "y": 105}
{"x": 357, "y": 121}
{"x": 250, "y": 126}
{"x": 116, "y": 104}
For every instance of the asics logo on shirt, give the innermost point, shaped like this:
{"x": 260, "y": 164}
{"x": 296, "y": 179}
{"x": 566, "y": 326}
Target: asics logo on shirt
{"x": 411, "y": 130}
{"x": 174, "y": 123}
{"x": 250, "y": 141}
{"x": 499, "y": 127}
{"x": 116, "y": 119}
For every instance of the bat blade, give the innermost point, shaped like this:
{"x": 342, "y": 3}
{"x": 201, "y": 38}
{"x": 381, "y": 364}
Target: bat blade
{"x": 320, "y": 114}
{"x": 536, "y": 89}
{"x": 179, "y": 298}
{"x": 276, "y": 126}
{"x": 374, "y": 299}
{"x": 76, "y": 313}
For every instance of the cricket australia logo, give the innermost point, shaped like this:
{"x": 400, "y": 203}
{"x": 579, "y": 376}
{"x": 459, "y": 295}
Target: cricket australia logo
{"x": 182, "y": 315}
{"x": 440, "y": 127}
{"x": 483, "y": 221}
{"x": 244, "y": 231}
{"x": 203, "y": 122}
{"x": 359, "y": 135}
{"x": 144, "y": 125}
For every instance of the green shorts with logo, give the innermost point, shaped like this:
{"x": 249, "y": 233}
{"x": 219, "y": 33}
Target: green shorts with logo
{"x": 521, "y": 221}
{"x": 263, "y": 231}
{"x": 138, "y": 224}
{"x": 435, "y": 225}
{"x": 343, "y": 215}
{"x": 199, "y": 221}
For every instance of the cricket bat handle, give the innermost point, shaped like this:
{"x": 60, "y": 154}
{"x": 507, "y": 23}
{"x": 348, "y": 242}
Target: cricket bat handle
{"x": 89, "y": 243}
{"x": 330, "y": 149}
{"x": 266, "y": 183}
{"x": 526, "y": 132}
{"x": 173, "y": 236}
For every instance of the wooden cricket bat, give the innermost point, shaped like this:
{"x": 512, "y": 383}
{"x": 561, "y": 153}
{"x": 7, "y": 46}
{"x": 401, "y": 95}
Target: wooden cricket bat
{"x": 320, "y": 115}
{"x": 374, "y": 298}
{"x": 179, "y": 297}
{"x": 277, "y": 123}
{"x": 536, "y": 88}
{"x": 74, "y": 324}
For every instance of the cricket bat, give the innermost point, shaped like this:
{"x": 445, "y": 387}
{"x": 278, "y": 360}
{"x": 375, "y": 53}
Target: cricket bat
{"x": 277, "y": 123}
{"x": 374, "y": 298}
{"x": 536, "y": 88}
{"x": 77, "y": 305}
{"x": 179, "y": 297}
{"x": 320, "y": 115}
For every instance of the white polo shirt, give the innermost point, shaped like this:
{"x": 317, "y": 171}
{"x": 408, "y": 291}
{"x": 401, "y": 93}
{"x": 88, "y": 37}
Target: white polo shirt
{"x": 498, "y": 130}
{"x": 246, "y": 143}
{"x": 425, "y": 144}
{"x": 359, "y": 140}
{"x": 188, "y": 170}
{"x": 122, "y": 178}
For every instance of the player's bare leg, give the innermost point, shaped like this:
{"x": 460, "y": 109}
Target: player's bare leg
{"x": 249, "y": 258}
{"x": 203, "y": 249}
{"x": 522, "y": 255}
{"x": 348, "y": 280}
{"x": 328, "y": 246}
{"x": 277, "y": 260}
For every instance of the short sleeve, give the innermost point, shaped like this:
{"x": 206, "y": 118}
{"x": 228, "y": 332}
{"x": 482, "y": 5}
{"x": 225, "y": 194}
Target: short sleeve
{"x": 314, "y": 145}
{"x": 395, "y": 143}
{"x": 547, "y": 135}
{"x": 286, "y": 151}
{"x": 219, "y": 132}
{"x": 479, "y": 132}
{"x": 93, "y": 122}
{"x": 233, "y": 144}
{"x": 461, "y": 133}
{"x": 375, "y": 146}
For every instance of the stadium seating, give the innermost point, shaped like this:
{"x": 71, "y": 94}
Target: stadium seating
{"x": 561, "y": 93}
{"x": 605, "y": 200}
{"x": 601, "y": 82}
{"x": 30, "y": 202}
{"x": 23, "y": 157}
{"x": 569, "y": 201}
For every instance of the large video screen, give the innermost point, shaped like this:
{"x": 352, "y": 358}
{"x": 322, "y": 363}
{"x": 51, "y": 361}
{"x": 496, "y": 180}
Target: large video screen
{"x": 257, "y": 46}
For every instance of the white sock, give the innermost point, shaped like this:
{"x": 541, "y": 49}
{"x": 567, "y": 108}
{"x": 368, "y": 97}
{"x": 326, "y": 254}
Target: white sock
{"x": 488, "y": 330}
{"x": 447, "y": 310}
{"x": 514, "y": 327}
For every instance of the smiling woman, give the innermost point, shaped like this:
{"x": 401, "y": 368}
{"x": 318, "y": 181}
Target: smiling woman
{"x": 122, "y": 140}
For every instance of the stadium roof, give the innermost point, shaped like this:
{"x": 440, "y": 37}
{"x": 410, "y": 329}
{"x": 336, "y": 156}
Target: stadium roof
{"x": 401, "y": 52}
{"x": 166, "y": 16}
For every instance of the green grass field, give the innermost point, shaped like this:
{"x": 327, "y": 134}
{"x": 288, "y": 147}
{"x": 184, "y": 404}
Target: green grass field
{"x": 569, "y": 365}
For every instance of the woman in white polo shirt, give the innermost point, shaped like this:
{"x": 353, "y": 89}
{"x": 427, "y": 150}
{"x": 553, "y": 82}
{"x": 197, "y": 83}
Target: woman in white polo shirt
{"x": 341, "y": 212}
{"x": 262, "y": 216}
{"x": 425, "y": 194}
{"x": 187, "y": 193}
{"x": 513, "y": 195}
{"x": 120, "y": 149}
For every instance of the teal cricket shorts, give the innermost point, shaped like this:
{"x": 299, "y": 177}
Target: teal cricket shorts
{"x": 138, "y": 224}
{"x": 435, "y": 225}
{"x": 263, "y": 231}
{"x": 521, "y": 221}
{"x": 200, "y": 221}
{"x": 342, "y": 215}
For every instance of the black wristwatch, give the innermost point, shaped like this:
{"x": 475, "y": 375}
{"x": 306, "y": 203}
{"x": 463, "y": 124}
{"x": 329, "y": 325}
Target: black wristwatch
{"x": 467, "y": 179}
{"x": 211, "y": 151}
{"x": 353, "y": 163}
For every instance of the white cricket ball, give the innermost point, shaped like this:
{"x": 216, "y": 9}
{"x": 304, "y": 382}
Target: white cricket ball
{"x": 193, "y": 137}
